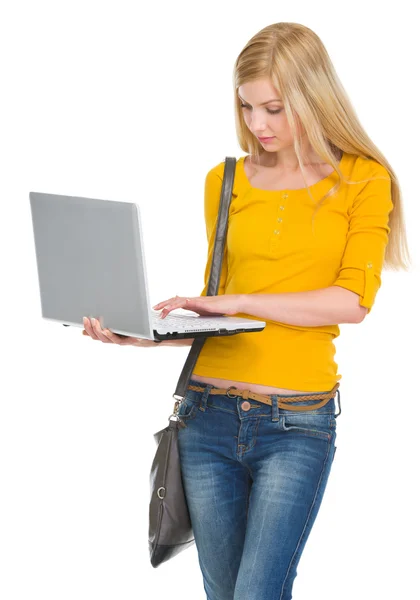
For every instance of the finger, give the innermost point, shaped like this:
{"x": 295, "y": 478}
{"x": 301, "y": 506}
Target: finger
{"x": 167, "y": 310}
{"x": 98, "y": 330}
{"x": 165, "y": 302}
{"x": 112, "y": 337}
{"x": 180, "y": 304}
{"x": 116, "y": 339}
{"x": 122, "y": 340}
{"x": 158, "y": 306}
{"x": 89, "y": 329}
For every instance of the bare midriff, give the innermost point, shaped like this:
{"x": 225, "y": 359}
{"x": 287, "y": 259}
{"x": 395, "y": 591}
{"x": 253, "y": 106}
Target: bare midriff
{"x": 244, "y": 385}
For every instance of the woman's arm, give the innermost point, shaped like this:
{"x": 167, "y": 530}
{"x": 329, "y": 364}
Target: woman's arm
{"x": 181, "y": 342}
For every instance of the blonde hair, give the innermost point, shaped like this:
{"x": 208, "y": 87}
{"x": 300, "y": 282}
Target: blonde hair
{"x": 293, "y": 57}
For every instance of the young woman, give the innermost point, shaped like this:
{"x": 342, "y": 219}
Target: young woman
{"x": 315, "y": 214}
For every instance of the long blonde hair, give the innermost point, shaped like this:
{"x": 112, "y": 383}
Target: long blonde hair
{"x": 294, "y": 58}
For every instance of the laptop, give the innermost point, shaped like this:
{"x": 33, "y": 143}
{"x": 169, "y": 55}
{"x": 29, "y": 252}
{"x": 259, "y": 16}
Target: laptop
{"x": 91, "y": 262}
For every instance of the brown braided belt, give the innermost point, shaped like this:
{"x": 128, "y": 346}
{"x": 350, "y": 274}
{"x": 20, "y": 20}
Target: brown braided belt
{"x": 247, "y": 394}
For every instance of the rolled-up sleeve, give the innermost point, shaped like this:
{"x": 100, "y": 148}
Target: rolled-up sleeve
{"x": 367, "y": 238}
{"x": 212, "y": 191}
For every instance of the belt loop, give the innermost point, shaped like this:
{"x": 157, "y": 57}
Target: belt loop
{"x": 204, "y": 396}
{"x": 339, "y": 404}
{"x": 274, "y": 408}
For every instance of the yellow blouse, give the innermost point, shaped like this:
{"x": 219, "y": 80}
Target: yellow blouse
{"x": 271, "y": 248}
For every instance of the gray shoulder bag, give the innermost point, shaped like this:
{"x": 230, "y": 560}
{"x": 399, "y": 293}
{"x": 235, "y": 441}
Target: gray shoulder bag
{"x": 170, "y": 529}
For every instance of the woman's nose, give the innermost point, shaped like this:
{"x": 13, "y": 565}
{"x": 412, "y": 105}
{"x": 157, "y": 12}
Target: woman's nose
{"x": 258, "y": 126}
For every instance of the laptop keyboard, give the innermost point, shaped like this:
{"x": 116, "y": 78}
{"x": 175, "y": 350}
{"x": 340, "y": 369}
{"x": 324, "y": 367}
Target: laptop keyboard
{"x": 175, "y": 321}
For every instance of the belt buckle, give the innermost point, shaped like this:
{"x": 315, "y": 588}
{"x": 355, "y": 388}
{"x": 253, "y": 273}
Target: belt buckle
{"x": 229, "y": 388}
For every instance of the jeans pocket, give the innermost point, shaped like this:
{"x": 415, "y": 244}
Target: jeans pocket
{"x": 318, "y": 425}
{"x": 187, "y": 408}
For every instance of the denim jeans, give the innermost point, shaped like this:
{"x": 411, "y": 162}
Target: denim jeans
{"x": 254, "y": 481}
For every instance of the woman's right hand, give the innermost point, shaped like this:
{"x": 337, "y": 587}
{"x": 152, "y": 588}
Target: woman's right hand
{"x": 94, "y": 330}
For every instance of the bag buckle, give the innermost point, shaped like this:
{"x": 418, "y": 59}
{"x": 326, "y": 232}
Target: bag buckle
{"x": 178, "y": 400}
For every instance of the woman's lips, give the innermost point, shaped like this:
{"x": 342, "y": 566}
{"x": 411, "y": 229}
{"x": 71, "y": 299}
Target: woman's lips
{"x": 266, "y": 139}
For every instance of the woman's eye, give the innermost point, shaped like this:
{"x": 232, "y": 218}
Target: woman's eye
{"x": 272, "y": 112}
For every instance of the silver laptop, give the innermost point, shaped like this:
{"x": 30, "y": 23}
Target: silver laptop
{"x": 91, "y": 262}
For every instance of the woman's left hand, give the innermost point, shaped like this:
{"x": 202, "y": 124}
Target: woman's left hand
{"x": 203, "y": 305}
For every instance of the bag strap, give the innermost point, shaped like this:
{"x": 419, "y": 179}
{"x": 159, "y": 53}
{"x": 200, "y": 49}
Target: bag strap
{"x": 215, "y": 271}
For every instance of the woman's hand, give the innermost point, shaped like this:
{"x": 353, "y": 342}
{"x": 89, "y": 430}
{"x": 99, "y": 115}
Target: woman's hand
{"x": 226, "y": 304}
{"x": 94, "y": 330}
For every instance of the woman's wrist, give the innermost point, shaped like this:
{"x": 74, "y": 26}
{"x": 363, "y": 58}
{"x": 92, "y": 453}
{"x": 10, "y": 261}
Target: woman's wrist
{"x": 179, "y": 342}
{"x": 144, "y": 343}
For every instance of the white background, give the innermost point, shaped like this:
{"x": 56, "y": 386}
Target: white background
{"x": 118, "y": 100}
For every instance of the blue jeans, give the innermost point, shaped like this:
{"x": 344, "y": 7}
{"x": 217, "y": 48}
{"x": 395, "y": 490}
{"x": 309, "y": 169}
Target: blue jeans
{"x": 254, "y": 481}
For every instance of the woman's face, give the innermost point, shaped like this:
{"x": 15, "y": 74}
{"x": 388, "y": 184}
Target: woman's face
{"x": 264, "y": 114}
